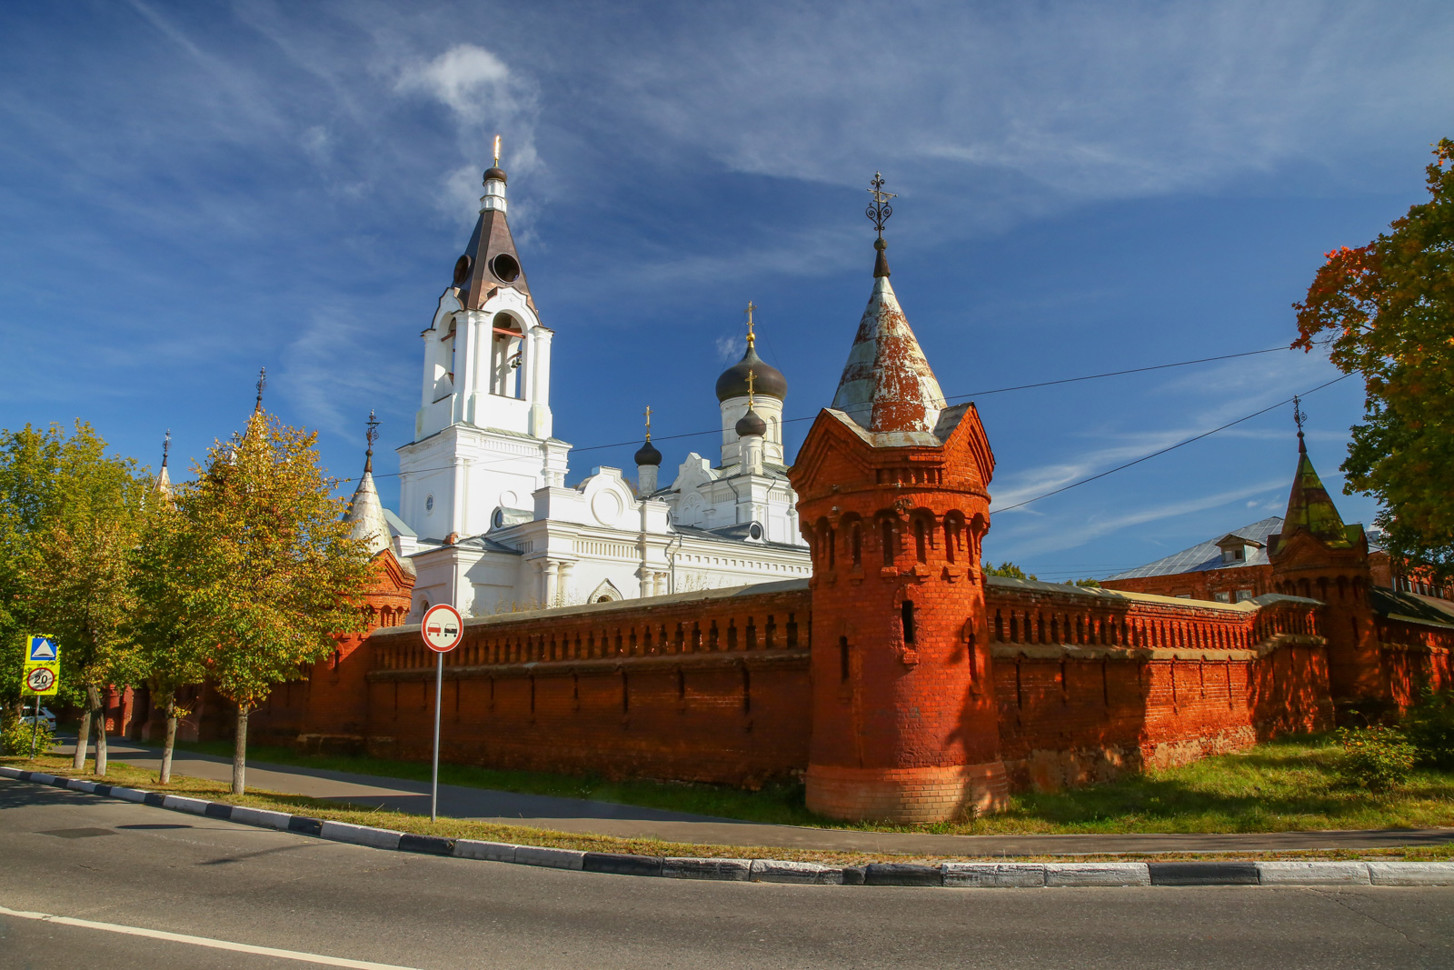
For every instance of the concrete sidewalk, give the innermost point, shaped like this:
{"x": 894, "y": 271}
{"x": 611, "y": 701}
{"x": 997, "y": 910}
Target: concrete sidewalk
{"x": 629, "y": 821}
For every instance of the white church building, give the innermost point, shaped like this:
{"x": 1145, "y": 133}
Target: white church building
{"x": 485, "y": 514}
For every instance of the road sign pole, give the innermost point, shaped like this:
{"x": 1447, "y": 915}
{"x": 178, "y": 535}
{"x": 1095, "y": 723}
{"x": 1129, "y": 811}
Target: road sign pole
{"x": 35, "y": 727}
{"x": 438, "y": 702}
{"x": 442, "y": 627}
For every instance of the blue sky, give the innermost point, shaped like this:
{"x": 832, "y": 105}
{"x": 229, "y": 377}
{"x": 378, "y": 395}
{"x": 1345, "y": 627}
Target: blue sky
{"x": 194, "y": 190}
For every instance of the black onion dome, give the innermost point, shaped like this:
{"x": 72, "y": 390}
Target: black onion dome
{"x": 648, "y": 455}
{"x": 750, "y": 424}
{"x": 495, "y": 172}
{"x": 767, "y": 380}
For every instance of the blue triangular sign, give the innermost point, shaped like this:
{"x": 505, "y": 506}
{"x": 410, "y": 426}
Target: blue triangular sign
{"x": 42, "y": 648}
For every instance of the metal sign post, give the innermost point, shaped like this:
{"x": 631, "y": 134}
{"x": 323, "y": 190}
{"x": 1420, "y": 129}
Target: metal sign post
{"x": 41, "y": 677}
{"x": 442, "y": 629}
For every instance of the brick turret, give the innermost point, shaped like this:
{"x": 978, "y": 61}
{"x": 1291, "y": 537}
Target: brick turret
{"x": 1318, "y": 556}
{"x": 894, "y": 503}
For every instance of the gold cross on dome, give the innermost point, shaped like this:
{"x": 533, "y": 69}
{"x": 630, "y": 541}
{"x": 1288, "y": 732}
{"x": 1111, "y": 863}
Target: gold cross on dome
{"x": 751, "y": 337}
{"x": 751, "y": 379}
{"x": 647, "y": 413}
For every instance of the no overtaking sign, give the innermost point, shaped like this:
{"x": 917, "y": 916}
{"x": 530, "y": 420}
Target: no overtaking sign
{"x": 442, "y": 628}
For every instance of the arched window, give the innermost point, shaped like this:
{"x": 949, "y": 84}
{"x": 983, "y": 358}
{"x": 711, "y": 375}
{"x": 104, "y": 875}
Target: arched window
{"x": 920, "y": 541}
{"x": 506, "y": 355}
{"x": 886, "y": 536}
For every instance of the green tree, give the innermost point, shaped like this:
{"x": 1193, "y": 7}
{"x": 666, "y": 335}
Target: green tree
{"x": 68, "y": 521}
{"x": 1388, "y": 308}
{"x": 1010, "y": 570}
{"x": 173, "y": 645}
{"x": 270, "y": 566}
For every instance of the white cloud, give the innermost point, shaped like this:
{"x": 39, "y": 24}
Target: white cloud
{"x": 486, "y": 98}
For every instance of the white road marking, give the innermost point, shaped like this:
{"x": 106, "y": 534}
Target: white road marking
{"x": 266, "y": 951}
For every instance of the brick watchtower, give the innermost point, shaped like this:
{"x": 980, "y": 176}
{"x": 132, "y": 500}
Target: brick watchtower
{"x": 894, "y": 503}
{"x": 1318, "y": 556}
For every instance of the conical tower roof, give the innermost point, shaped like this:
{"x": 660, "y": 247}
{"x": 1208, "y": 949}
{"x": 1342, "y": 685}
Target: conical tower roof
{"x": 1310, "y": 508}
{"x": 365, "y": 515}
{"x": 163, "y": 485}
{"x": 490, "y": 260}
{"x": 887, "y": 384}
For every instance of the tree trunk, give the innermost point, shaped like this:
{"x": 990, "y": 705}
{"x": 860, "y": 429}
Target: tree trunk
{"x": 239, "y": 752}
{"x": 169, "y": 704}
{"x": 83, "y": 736}
{"x": 98, "y": 724}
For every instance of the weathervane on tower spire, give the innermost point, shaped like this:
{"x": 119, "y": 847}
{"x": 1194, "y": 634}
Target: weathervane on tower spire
{"x": 878, "y": 213}
{"x": 262, "y": 382}
{"x": 1298, "y": 418}
{"x": 371, "y": 435}
{"x": 166, "y": 446}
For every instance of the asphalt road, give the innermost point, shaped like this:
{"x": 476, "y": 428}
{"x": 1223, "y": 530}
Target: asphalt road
{"x": 129, "y": 869}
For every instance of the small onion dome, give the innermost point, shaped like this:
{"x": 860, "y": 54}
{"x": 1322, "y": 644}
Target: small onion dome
{"x": 648, "y": 455}
{"x": 495, "y": 172}
{"x": 751, "y": 424}
{"x": 767, "y": 380}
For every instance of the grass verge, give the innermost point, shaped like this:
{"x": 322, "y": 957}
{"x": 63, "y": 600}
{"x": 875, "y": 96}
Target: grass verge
{"x": 1292, "y": 784}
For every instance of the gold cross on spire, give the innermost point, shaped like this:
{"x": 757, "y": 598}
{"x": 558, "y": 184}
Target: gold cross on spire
{"x": 497, "y": 151}
{"x": 647, "y": 414}
{"x": 751, "y": 379}
{"x": 751, "y": 337}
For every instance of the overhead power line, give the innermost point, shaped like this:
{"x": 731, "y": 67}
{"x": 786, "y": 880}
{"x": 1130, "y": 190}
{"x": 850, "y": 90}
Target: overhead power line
{"x": 1162, "y": 451}
{"x": 954, "y": 397}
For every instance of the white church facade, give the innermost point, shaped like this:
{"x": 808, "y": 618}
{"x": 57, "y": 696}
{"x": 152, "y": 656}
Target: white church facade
{"x": 485, "y": 514}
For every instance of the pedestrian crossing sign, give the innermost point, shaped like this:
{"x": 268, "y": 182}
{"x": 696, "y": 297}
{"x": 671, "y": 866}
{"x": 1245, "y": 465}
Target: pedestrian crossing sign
{"x": 40, "y": 649}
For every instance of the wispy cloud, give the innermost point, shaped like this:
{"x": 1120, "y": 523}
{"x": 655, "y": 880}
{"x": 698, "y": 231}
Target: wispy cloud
{"x": 1058, "y": 534}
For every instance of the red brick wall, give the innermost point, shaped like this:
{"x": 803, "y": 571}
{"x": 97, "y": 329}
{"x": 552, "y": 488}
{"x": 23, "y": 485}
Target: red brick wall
{"x": 704, "y": 688}
{"x": 1090, "y": 684}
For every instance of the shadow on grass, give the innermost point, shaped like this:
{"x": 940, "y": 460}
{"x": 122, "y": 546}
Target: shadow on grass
{"x": 1288, "y": 784}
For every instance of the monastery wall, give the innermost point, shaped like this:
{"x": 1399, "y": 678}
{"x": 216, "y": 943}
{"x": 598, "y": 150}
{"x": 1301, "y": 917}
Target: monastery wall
{"x": 707, "y": 686}
{"x": 1414, "y": 656}
{"x": 1092, "y": 684}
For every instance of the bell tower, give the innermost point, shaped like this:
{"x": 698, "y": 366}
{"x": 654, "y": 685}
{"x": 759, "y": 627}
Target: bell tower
{"x": 894, "y": 504}
{"x": 483, "y": 433}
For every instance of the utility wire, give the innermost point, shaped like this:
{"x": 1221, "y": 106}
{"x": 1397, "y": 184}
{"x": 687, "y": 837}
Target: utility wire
{"x": 1162, "y": 451}
{"x": 955, "y": 397}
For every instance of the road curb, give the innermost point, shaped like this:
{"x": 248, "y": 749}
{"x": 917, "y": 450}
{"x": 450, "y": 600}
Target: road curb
{"x": 956, "y": 875}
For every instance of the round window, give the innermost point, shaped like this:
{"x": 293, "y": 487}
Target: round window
{"x": 505, "y": 268}
{"x": 756, "y": 531}
{"x": 429, "y": 503}
{"x": 462, "y": 269}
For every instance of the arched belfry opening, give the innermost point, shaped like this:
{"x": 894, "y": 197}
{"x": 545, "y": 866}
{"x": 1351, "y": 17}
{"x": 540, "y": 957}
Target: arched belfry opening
{"x": 507, "y": 353}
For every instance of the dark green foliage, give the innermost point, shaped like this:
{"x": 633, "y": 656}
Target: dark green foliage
{"x": 1379, "y": 759}
{"x": 1430, "y": 729}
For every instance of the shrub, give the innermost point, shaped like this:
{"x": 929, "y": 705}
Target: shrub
{"x": 1377, "y": 758}
{"x": 15, "y": 738}
{"x": 1430, "y": 728}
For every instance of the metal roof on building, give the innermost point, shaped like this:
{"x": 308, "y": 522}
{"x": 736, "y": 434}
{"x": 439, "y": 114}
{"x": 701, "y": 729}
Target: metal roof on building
{"x": 1206, "y": 556}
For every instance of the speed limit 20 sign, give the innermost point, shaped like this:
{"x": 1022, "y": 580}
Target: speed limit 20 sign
{"x": 442, "y": 628}
{"x": 42, "y": 679}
